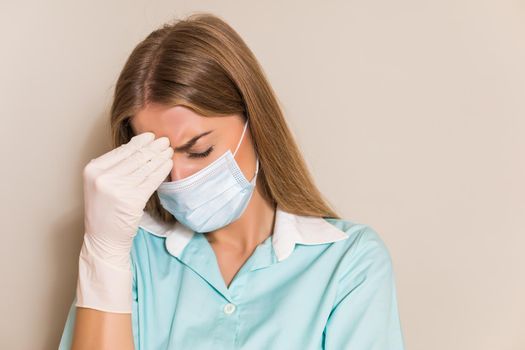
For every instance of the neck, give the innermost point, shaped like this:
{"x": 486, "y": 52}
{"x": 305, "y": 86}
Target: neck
{"x": 250, "y": 229}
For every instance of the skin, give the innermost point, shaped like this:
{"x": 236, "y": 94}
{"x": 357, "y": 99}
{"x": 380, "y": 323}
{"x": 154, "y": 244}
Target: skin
{"x": 234, "y": 243}
{"x": 96, "y": 329}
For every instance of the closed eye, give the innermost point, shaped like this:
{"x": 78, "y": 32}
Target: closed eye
{"x": 201, "y": 155}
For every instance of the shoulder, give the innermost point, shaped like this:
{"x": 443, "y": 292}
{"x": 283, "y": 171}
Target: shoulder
{"x": 363, "y": 255}
{"x": 363, "y": 240}
{"x": 364, "y": 311}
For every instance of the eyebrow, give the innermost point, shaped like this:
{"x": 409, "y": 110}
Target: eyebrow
{"x": 188, "y": 145}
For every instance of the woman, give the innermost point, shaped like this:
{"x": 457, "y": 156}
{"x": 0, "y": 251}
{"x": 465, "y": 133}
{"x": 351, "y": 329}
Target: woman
{"x": 204, "y": 229}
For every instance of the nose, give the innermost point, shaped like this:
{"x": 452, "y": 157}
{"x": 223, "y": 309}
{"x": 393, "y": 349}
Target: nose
{"x": 175, "y": 174}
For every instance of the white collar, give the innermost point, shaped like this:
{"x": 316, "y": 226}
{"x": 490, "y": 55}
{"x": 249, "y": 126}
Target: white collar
{"x": 289, "y": 229}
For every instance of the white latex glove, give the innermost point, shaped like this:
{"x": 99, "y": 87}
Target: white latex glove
{"x": 117, "y": 186}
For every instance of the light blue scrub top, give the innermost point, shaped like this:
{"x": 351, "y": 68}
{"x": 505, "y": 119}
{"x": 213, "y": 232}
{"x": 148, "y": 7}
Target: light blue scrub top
{"x": 315, "y": 283}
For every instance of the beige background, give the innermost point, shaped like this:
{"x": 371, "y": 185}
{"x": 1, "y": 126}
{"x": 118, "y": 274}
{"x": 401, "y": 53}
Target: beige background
{"x": 411, "y": 115}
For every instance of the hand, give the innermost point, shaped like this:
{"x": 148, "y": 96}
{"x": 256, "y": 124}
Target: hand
{"x": 117, "y": 186}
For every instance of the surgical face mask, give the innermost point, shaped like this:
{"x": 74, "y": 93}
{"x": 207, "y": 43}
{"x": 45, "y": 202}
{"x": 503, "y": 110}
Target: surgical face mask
{"x": 211, "y": 198}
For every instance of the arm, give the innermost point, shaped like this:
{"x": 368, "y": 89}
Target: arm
{"x": 117, "y": 186}
{"x": 95, "y": 329}
{"x": 365, "y": 314}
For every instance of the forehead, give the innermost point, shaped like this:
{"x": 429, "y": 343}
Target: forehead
{"x": 180, "y": 123}
{"x": 156, "y": 117}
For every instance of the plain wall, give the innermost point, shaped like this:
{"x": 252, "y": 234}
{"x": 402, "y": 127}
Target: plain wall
{"x": 410, "y": 114}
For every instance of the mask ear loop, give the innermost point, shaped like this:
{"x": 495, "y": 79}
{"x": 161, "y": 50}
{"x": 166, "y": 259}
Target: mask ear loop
{"x": 256, "y": 155}
{"x": 242, "y": 136}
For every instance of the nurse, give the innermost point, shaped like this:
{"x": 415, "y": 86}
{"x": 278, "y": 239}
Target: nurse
{"x": 203, "y": 226}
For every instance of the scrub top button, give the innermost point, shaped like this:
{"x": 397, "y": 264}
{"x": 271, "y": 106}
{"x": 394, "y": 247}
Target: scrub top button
{"x": 229, "y": 308}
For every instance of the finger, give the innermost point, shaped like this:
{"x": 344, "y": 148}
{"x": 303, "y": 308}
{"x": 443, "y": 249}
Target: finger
{"x": 153, "y": 181}
{"x": 140, "y": 157}
{"x": 140, "y": 174}
{"x": 116, "y": 155}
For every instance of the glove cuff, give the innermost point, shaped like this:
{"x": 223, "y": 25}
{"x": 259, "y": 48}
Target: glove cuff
{"x": 101, "y": 285}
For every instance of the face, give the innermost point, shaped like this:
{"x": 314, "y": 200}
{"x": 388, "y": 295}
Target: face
{"x": 197, "y": 140}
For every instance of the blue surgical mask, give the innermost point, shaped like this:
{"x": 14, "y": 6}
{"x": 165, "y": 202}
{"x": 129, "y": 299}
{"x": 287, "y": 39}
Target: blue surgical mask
{"x": 211, "y": 198}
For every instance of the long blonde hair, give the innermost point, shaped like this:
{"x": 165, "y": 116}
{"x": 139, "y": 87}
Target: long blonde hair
{"x": 202, "y": 63}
